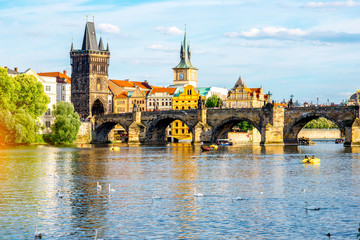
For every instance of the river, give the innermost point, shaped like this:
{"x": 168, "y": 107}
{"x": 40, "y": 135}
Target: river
{"x": 249, "y": 192}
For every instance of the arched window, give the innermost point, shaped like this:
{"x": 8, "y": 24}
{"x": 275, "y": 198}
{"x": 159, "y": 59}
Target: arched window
{"x": 98, "y": 84}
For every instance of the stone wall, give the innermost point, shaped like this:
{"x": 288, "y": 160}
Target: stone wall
{"x": 245, "y": 137}
{"x": 320, "y": 133}
{"x": 84, "y": 135}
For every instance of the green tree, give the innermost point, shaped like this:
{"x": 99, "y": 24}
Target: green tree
{"x": 22, "y": 101}
{"x": 321, "y": 123}
{"x": 212, "y": 101}
{"x": 244, "y": 126}
{"x": 66, "y": 125}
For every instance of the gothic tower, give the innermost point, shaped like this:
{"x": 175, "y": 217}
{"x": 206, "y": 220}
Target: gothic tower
{"x": 89, "y": 75}
{"x": 185, "y": 73}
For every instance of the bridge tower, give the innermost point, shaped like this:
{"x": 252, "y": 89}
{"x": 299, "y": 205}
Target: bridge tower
{"x": 89, "y": 75}
{"x": 185, "y": 73}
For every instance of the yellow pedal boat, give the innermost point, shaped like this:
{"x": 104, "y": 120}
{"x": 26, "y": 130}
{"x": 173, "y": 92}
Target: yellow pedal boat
{"x": 114, "y": 149}
{"x": 311, "y": 160}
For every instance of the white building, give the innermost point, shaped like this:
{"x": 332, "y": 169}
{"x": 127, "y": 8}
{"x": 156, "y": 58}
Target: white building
{"x": 63, "y": 85}
{"x": 49, "y": 84}
{"x": 160, "y": 99}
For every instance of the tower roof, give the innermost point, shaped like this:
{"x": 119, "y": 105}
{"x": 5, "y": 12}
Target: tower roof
{"x": 185, "y": 54}
{"x": 239, "y": 83}
{"x": 101, "y": 45}
{"x": 89, "y": 41}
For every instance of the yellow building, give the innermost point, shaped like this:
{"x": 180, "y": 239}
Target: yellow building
{"x": 185, "y": 98}
{"x": 241, "y": 96}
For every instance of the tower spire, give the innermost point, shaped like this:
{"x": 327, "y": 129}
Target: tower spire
{"x": 185, "y": 53}
{"x": 89, "y": 41}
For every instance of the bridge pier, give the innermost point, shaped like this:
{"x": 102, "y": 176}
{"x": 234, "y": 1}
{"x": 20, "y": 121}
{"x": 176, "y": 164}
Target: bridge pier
{"x": 273, "y": 134}
{"x": 352, "y": 134}
{"x": 202, "y": 131}
{"x": 137, "y": 130}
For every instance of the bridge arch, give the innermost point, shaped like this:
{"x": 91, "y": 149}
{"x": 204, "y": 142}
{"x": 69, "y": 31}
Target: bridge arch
{"x": 221, "y": 129}
{"x": 156, "y": 131}
{"x": 292, "y": 129}
{"x": 104, "y": 124}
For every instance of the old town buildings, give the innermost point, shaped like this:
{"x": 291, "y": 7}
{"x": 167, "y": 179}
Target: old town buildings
{"x": 240, "y": 96}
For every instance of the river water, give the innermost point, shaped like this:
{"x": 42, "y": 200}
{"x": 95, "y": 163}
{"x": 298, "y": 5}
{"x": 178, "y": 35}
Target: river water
{"x": 249, "y": 192}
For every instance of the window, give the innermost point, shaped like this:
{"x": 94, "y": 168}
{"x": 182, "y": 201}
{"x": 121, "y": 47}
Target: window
{"x": 176, "y": 124}
{"x": 48, "y": 88}
{"x": 63, "y": 88}
{"x": 98, "y": 84}
{"x": 47, "y": 124}
{"x": 183, "y": 124}
{"x": 182, "y": 131}
{"x": 63, "y": 98}
{"x": 176, "y": 131}
{"x": 48, "y": 112}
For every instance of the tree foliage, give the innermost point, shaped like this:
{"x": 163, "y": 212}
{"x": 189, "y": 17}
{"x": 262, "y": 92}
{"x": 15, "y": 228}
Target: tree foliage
{"x": 321, "y": 123}
{"x": 22, "y": 102}
{"x": 244, "y": 126}
{"x": 66, "y": 124}
{"x": 212, "y": 101}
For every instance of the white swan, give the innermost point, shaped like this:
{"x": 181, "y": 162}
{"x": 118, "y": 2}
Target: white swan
{"x": 111, "y": 190}
{"x": 312, "y": 209}
{"x": 37, "y": 235}
{"x": 96, "y": 233}
{"x": 98, "y": 186}
{"x": 196, "y": 194}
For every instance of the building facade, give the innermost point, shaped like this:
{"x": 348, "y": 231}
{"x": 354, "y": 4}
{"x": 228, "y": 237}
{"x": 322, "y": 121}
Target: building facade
{"x": 49, "y": 84}
{"x": 241, "y": 96}
{"x": 63, "y": 85}
{"x": 160, "y": 99}
{"x": 89, "y": 75}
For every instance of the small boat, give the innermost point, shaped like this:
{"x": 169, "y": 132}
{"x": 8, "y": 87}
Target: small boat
{"x": 339, "y": 140}
{"x": 224, "y": 142}
{"x": 311, "y": 160}
{"x": 210, "y": 148}
{"x": 114, "y": 149}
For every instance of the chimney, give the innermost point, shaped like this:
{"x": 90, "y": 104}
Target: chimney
{"x": 16, "y": 69}
{"x": 64, "y": 72}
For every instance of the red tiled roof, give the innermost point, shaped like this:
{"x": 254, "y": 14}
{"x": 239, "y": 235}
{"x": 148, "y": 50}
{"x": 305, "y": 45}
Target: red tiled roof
{"x": 57, "y": 75}
{"x": 124, "y": 94}
{"x": 163, "y": 89}
{"x": 122, "y": 83}
{"x": 142, "y": 85}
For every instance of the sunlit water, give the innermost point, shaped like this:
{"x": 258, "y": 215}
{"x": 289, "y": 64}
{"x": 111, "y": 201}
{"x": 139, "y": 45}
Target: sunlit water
{"x": 249, "y": 192}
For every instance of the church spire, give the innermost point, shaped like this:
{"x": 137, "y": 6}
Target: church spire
{"x": 185, "y": 54}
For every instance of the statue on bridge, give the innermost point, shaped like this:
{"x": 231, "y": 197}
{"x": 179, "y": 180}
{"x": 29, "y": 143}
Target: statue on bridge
{"x": 135, "y": 108}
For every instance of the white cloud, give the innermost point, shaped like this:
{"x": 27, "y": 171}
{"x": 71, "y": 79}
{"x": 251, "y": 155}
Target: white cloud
{"x": 159, "y": 47}
{"x": 170, "y": 30}
{"x": 108, "y": 28}
{"x": 349, "y": 3}
{"x": 267, "y": 32}
{"x": 296, "y": 34}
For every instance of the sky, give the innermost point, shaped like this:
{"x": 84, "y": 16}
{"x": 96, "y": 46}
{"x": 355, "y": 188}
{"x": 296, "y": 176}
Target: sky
{"x": 308, "y": 49}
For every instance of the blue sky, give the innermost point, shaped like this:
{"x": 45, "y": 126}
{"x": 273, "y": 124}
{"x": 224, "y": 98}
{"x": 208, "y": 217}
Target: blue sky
{"x": 310, "y": 49}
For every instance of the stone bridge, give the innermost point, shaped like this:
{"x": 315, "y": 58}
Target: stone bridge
{"x": 276, "y": 125}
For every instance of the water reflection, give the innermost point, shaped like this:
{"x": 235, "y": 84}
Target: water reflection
{"x": 249, "y": 192}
